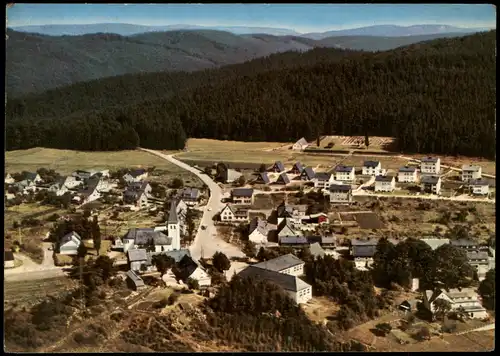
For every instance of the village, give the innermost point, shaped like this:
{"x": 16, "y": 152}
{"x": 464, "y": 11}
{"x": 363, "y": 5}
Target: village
{"x": 288, "y": 210}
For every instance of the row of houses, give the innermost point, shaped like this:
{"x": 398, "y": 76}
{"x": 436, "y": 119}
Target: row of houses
{"x": 481, "y": 257}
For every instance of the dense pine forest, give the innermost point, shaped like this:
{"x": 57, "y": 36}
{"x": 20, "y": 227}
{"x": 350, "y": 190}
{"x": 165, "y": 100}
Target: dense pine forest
{"x": 437, "y": 97}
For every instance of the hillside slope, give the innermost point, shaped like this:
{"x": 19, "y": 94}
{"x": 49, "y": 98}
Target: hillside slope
{"x": 434, "y": 97}
{"x": 36, "y": 63}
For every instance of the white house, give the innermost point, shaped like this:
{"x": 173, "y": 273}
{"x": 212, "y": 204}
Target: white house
{"x": 471, "y": 173}
{"x": 188, "y": 268}
{"x": 286, "y": 264}
{"x": 385, "y": 183}
{"x": 345, "y": 173}
{"x": 430, "y": 165}
{"x": 479, "y": 186}
{"x": 480, "y": 260}
{"x": 72, "y": 182}
{"x": 300, "y": 144}
{"x": 69, "y": 243}
{"x": 297, "y": 289}
{"x": 139, "y": 260}
{"x": 258, "y": 231}
{"x": 59, "y": 188}
{"x": 465, "y": 298}
{"x": 242, "y": 196}
{"x": 431, "y": 184}
{"x": 372, "y": 168}
{"x": 293, "y": 213}
{"x": 340, "y": 194}
{"x": 229, "y": 214}
{"x": 323, "y": 180}
{"x": 8, "y": 179}
{"x": 135, "y": 175}
{"x": 407, "y": 174}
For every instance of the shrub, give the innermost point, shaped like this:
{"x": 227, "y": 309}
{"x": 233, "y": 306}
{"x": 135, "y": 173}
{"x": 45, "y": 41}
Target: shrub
{"x": 172, "y": 298}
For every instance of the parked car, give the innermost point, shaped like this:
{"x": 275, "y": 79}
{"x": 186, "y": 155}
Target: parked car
{"x": 203, "y": 227}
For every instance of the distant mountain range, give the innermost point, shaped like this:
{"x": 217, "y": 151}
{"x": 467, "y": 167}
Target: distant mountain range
{"x": 35, "y": 63}
{"x": 130, "y": 29}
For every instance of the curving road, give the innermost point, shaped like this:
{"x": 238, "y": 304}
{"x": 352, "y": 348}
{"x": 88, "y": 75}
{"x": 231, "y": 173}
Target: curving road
{"x": 206, "y": 241}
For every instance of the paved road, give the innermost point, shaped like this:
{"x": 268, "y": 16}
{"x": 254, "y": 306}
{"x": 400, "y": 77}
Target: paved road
{"x": 429, "y": 197}
{"x": 30, "y": 270}
{"x": 206, "y": 241}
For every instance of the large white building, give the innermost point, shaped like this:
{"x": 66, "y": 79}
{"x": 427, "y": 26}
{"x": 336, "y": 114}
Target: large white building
{"x": 282, "y": 271}
{"x": 471, "y": 173}
{"x": 407, "y": 174}
{"x": 385, "y": 183}
{"x": 372, "y": 168}
{"x": 465, "y": 298}
{"x": 345, "y": 173}
{"x": 430, "y": 165}
{"x": 479, "y": 186}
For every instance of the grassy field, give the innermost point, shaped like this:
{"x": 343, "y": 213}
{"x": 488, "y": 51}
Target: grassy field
{"x": 66, "y": 161}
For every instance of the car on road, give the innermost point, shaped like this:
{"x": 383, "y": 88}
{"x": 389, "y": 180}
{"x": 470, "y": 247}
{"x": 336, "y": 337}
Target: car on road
{"x": 209, "y": 209}
{"x": 50, "y": 248}
{"x": 203, "y": 227}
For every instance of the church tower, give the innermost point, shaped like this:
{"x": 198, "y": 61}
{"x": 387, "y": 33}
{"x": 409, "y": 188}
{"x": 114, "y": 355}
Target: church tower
{"x": 173, "y": 227}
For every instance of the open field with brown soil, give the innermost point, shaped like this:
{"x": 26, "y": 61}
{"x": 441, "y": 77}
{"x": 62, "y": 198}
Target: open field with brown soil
{"x": 319, "y": 308}
{"x": 368, "y": 221}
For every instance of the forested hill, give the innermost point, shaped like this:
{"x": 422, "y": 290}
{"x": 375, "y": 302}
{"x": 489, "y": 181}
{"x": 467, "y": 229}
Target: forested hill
{"x": 36, "y": 62}
{"x": 434, "y": 97}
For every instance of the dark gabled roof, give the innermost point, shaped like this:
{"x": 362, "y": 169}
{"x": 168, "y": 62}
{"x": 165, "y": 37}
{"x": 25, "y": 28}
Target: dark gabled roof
{"x": 172, "y": 214}
{"x": 285, "y": 281}
{"x": 384, "y": 179}
{"x": 177, "y": 255}
{"x": 263, "y": 177}
{"x": 137, "y": 172}
{"x": 283, "y": 178}
{"x": 137, "y": 255}
{"x": 364, "y": 251}
{"x": 258, "y": 224}
{"x": 185, "y": 268}
{"x": 339, "y": 187}
{"x": 430, "y": 179}
{"x": 8, "y": 256}
{"x": 308, "y": 172}
{"x": 279, "y": 165}
{"x": 479, "y": 181}
{"x": 429, "y": 159}
{"x": 407, "y": 169}
{"x": 189, "y": 193}
{"x": 470, "y": 168}
{"x": 137, "y": 186}
{"x": 132, "y": 196}
{"x": 371, "y": 164}
{"x": 364, "y": 242}
{"x": 136, "y": 279}
{"x": 142, "y": 236}
{"x": 293, "y": 240}
{"x": 463, "y": 242}
{"x": 342, "y": 168}
{"x": 242, "y": 192}
{"x": 30, "y": 176}
{"x": 298, "y": 166}
{"x": 323, "y": 176}
{"x": 321, "y": 239}
{"x": 280, "y": 263}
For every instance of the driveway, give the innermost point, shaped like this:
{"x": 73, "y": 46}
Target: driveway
{"x": 31, "y": 270}
{"x": 206, "y": 242}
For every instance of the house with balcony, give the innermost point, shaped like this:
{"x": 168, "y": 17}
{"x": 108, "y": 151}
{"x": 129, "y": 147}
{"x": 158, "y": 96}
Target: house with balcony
{"x": 294, "y": 213}
{"x": 233, "y": 215}
{"x": 345, "y": 173}
{"x": 323, "y": 180}
{"x": 372, "y": 168}
{"x": 340, "y": 194}
{"x": 430, "y": 165}
{"x": 407, "y": 174}
{"x": 431, "y": 184}
{"x": 385, "y": 183}
{"x": 479, "y": 186}
{"x": 470, "y": 172}
{"x": 465, "y": 299}
{"x": 242, "y": 196}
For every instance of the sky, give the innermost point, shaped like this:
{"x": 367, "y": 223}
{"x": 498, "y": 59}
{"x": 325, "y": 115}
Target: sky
{"x": 298, "y": 17}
